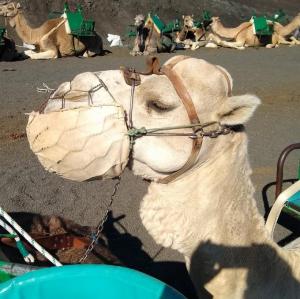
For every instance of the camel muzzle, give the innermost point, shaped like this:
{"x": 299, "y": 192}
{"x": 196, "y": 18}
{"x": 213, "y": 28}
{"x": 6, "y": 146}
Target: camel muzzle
{"x": 81, "y": 143}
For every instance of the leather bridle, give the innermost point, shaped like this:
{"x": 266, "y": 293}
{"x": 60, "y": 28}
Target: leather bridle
{"x": 132, "y": 78}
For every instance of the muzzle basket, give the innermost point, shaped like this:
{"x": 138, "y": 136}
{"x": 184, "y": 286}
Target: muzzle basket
{"x": 82, "y": 143}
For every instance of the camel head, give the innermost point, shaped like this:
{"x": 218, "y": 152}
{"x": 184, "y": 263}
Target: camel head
{"x": 215, "y": 21}
{"x": 9, "y": 9}
{"x": 188, "y": 22}
{"x": 139, "y": 20}
{"x": 156, "y": 104}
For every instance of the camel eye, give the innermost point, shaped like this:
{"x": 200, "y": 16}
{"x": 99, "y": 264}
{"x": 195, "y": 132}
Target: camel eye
{"x": 158, "y": 106}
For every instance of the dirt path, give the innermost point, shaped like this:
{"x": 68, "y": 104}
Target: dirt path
{"x": 25, "y": 186}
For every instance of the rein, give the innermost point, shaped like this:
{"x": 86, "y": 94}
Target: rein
{"x": 132, "y": 78}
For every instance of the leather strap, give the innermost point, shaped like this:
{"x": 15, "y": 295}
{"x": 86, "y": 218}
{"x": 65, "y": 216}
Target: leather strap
{"x": 181, "y": 90}
{"x": 153, "y": 67}
{"x": 197, "y": 143}
{"x": 229, "y": 90}
{"x": 187, "y": 101}
{"x": 131, "y": 77}
{"x": 55, "y": 242}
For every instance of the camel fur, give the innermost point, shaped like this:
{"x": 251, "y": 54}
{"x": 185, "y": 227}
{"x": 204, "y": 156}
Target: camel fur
{"x": 209, "y": 213}
{"x": 188, "y": 34}
{"x": 51, "y": 38}
{"x": 148, "y": 40}
{"x": 243, "y": 36}
{"x": 142, "y": 32}
{"x": 288, "y": 29}
{"x": 195, "y": 38}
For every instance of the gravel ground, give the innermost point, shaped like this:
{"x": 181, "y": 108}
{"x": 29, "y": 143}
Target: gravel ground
{"x": 272, "y": 74}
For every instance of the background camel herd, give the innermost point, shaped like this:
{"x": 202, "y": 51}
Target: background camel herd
{"x": 52, "y": 39}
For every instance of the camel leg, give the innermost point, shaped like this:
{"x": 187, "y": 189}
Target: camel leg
{"x": 283, "y": 41}
{"x": 48, "y": 50}
{"x": 236, "y": 45}
{"x": 270, "y": 46}
{"x": 197, "y": 45}
{"x": 50, "y": 54}
{"x": 295, "y": 41}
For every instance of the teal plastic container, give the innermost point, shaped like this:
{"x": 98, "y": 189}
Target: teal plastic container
{"x": 86, "y": 282}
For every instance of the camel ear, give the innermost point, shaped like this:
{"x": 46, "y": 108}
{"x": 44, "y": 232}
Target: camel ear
{"x": 18, "y": 5}
{"x": 237, "y": 110}
{"x": 183, "y": 17}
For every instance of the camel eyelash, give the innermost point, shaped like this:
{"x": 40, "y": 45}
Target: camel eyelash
{"x": 158, "y": 106}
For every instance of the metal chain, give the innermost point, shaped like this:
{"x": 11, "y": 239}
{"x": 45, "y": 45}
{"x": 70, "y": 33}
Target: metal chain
{"x": 100, "y": 226}
{"x": 199, "y": 131}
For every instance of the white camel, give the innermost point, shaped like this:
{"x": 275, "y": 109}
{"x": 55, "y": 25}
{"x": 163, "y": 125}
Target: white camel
{"x": 208, "y": 213}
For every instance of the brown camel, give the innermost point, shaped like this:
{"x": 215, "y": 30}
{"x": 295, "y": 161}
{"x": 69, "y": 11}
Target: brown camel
{"x": 243, "y": 35}
{"x": 141, "y": 35}
{"x": 148, "y": 39}
{"x": 189, "y": 33}
{"x": 51, "y": 39}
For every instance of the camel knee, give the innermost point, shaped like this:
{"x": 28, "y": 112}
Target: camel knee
{"x": 295, "y": 41}
{"x": 50, "y": 54}
{"x": 211, "y": 45}
{"x": 269, "y": 46}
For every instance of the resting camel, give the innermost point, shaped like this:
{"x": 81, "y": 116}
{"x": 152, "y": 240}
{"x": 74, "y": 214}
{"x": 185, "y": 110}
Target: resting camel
{"x": 206, "y": 210}
{"x": 148, "y": 40}
{"x": 243, "y": 34}
{"x": 195, "y": 38}
{"x": 141, "y": 35}
{"x": 51, "y": 38}
{"x": 188, "y": 33}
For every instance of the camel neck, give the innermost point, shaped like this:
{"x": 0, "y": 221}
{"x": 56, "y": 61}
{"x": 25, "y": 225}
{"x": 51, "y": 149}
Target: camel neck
{"x": 183, "y": 33}
{"x": 219, "y": 29}
{"x": 211, "y": 217}
{"x": 291, "y": 27}
{"x": 24, "y": 31}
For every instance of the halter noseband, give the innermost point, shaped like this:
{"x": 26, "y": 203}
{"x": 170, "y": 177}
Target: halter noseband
{"x": 132, "y": 78}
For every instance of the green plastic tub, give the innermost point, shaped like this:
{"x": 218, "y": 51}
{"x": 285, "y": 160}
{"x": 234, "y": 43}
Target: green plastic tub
{"x": 86, "y": 282}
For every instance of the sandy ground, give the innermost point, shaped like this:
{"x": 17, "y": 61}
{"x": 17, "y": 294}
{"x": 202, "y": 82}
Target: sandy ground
{"x": 25, "y": 186}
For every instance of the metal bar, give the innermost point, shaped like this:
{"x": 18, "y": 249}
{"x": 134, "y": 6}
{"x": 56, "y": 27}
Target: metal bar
{"x": 280, "y": 164}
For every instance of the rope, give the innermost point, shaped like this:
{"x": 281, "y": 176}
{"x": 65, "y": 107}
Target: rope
{"x": 46, "y": 89}
{"x": 24, "y": 234}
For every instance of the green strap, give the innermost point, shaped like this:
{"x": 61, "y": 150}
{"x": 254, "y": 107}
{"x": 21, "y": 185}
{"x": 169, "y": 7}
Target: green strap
{"x": 10, "y": 236}
{"x": 22, "y": 248}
